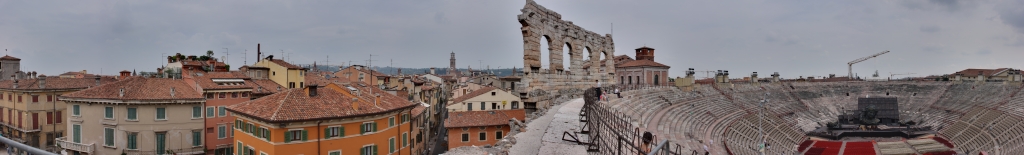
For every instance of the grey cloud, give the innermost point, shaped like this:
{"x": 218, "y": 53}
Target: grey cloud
{"x": 1012, "y": 15}
{"x": 984, "y": 52}
{"x": 440, "y": 18}
{"x": 943, "y": 5}
{"x": 930, "y": 29}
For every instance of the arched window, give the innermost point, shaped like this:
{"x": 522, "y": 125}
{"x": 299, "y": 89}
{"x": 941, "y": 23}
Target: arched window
{"x": 622, "y": 80}
{"x": 630, "y": 80}
{"x": 638, "y": 80}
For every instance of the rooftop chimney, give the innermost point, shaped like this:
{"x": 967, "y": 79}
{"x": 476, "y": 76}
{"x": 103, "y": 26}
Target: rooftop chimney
{"x": 97, "y": 80}
{"x": 122, "y": 93}
{"x": 432, "y": 70}
{"x": 355, "y": 103}
{"x": 172, "y": 91}
{"x": 125, "y": 74}
{"x": 312, "y": 90}
{"x": 15, "y": 86}
{"x": 258, "y": 53}
{"x": 42, "y": 81}
{"x": 377, "y": 101}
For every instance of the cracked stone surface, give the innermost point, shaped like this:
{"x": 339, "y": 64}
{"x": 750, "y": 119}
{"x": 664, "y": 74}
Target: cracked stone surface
{"x": 544, "y": 134}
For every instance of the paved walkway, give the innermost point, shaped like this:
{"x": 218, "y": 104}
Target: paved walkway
{"x": 544, "y": 134}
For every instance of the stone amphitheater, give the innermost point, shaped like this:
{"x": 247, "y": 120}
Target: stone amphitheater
{"x": 969, "y": 117}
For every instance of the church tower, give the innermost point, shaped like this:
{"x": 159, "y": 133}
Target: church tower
{"x": 451, "y": 67}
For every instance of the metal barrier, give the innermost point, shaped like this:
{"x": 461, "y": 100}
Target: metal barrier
{"x": 29, "y": 149}
{"x": 610, "y": 132}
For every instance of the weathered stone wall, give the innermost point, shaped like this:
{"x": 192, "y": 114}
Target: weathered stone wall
{"x": 544, "y": 84}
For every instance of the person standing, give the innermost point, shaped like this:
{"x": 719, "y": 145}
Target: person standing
{"x": 617, "y": 93}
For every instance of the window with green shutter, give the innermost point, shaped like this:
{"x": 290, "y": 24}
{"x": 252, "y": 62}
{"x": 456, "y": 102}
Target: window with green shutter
{"x": 161, "y": 113}
{"x": 132, "y": 141}
{"x": 374, "y": 125}
{"x": 221, "y": 111}
{"x": 132, "y": 114}
{"x": 197, "y": 112}
{"x": 334, "y": 153}
{"x": 391, "y": 145}
{"x": 108, "y": 136}
{"x": 391, "y": 121}
{"x": 405, "y": 139}
{"x": 266, "y": 134}
{"x": 304, "y": 135}
{"x": 77, "y": 131}
{"x": 240, "y": 147}
{"x": 108, "y": 112}
{"x": 288, "y": 137}
{"x": 161, "y": 141}
{"x": 221, "y": 132}
{"x": 197, "y": 139}
{"x": 75, "y": 110}
{"x": 209, "y": 112}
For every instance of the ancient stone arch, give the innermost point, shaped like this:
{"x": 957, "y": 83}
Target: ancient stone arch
{"x": 538, "y": 22}
{"x": 542, "y": 85}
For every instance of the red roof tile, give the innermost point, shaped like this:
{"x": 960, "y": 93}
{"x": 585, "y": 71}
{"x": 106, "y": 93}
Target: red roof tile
{"x": 8, "y": 57}
{"x": 285, "y": 64}
{"x": 638, "y": 63}
{"x": 483, "y": 118}
{"x": 418, "y": 109}
{"x": 475, "y": 93}
{"x": 264, "y": 86}
{"x": 975, "y": 72}
{"x": 205, "y": 80}
{"x": 55, "y": 83}
{"x": 296, "y": 105}
{"x": 139, "y": 88}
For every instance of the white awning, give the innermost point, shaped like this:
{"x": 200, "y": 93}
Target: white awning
{"x": 227, "y": 80}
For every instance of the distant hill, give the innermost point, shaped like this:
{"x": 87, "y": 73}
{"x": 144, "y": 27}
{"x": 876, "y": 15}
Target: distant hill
{"x": 394, "y": 70}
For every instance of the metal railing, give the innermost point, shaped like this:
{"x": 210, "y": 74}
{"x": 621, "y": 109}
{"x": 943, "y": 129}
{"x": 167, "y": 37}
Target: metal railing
{"x": 195, "y": 150}
{"x": 65, "y": 144}
{"x": 610, "y": 132}
{"x": 16, "y": 146}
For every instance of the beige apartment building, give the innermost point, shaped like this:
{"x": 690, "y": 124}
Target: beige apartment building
{"x": 136, "y": 115}
{"x": 30, "y": 112}
{"x": 485, "y": 98}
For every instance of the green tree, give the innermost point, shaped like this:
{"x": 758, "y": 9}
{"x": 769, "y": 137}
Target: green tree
{"x": 209, "y": 53}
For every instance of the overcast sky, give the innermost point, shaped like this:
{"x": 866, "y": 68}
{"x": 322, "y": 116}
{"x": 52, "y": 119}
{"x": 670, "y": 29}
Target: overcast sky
{"x": 794, "y": 38}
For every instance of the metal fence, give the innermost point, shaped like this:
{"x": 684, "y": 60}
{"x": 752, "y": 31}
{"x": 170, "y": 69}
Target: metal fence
{"x": 610, "y": 132}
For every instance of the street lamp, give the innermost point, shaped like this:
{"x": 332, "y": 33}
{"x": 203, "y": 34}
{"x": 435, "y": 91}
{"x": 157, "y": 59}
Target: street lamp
{"x": 760, "y": 124}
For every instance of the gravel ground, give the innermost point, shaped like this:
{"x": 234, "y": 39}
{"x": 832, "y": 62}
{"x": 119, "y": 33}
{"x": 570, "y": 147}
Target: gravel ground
{"x": 544, "y": 134}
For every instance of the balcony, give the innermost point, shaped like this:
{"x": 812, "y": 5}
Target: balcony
{"x": 65, "y": 144}
{"x": 194, "y": 150}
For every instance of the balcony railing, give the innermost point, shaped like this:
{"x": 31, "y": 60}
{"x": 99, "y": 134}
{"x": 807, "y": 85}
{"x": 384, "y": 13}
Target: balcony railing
{"x": 64, "y": 143}
{"x": 194, "y": 150}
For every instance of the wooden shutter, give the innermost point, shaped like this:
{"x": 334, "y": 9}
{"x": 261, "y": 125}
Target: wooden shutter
{"x": 327, "y": 132}
{"x": 288, "y": 136}
{"x": 341, "y": 131}
{"x": 374, "y": 124}
{"x": 304, "y": 135}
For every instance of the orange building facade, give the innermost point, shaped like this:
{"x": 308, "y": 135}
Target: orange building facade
{"x": 480, "y": 128}
{"x": 339, "y": 118}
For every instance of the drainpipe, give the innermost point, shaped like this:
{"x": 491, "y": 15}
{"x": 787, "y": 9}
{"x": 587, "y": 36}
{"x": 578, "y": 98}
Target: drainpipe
{"x": 318, "y": 138}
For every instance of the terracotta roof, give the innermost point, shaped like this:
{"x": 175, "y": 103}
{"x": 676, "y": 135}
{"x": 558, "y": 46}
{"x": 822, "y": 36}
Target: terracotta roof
{"x": 419, "y": 109}
{"x": 285, "y": 64}
{"x": 638, "y": 63}
{"x": 139, "y": 88}
{"x": 264, "y": 86}
{"x": 483, "y": 118}
{"x": 8, "y": 57}
{"x": 475, "y": 93}
{"x": 55, "y": 83}
{"x": 296, "y": 105}
{"x": 205, "y": 80}
{"x": 974, "y": 72}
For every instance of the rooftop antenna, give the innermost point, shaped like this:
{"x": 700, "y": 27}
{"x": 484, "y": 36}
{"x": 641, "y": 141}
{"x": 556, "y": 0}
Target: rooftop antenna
{"x": 245, "y": 57}
{"x": 227, "y": 53}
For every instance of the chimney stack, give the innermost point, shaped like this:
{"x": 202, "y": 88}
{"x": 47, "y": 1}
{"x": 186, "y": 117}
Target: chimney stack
{"x": 15, "y": 86}
{"x": 376, "y": 102}
{"x": 97, "y": 80}
{"x": 258, "y": 53}
{"x": 312, "y": 90}
{"x": 355, "y": 103}
{"x": 42, "y": 81}
{"x": 125, "y": 74}
{"x": 432, "y": 70}
{"x": 753, "y": 77}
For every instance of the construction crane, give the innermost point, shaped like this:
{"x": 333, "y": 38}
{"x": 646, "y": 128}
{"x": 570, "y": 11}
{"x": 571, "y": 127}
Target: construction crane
{"x": 850, "y": 64}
